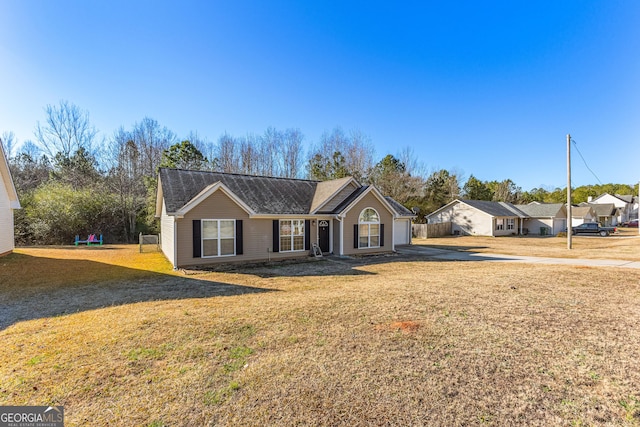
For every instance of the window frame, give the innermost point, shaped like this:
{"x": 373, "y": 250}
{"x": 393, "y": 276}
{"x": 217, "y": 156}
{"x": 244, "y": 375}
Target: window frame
{"x": 368, "y": 225}
{"x": 292, "y": 236}
{"x": 499, "y": 224}
{"x": 511, "y": 223}
{"x": 218, "y": 238}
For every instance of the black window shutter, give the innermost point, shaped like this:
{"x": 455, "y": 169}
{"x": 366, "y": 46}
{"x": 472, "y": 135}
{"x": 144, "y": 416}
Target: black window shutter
{"x": 239, "y": 247}
{"x": 381, "y": 234}
{"x": 355, "y": 236}
{"x": 276, "y": 235}
{"x": 307, "y": 234}
{"x": 197, "y": 240}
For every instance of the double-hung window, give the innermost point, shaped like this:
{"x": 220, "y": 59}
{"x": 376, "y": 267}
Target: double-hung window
{"x": 511, "y": 223}
{"x": 369, "y": 229}
{"x": 218, "y": 237}
{"x": 499, "y": 223}
{"x": 291, "y": 235}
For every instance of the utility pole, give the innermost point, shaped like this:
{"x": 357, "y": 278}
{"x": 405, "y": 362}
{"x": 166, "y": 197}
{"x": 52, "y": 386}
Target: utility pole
{"x": 569, "y": 226}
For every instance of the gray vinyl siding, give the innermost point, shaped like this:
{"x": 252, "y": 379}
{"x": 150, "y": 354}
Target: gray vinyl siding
{"x": 6, "y": 220}
{"x": 166, "y": 234}
{"x": 468, "y": 220}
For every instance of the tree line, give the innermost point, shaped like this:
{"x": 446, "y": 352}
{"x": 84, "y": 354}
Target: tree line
{"x": 71, "y": 181}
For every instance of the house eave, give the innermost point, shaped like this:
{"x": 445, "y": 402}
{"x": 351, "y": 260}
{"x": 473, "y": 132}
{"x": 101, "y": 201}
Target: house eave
{"x": 377, "y": 195}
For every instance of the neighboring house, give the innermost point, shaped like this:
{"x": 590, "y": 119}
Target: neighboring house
{"x": 582, "y": 214}
{"x": 605, "y": 213}
{"x": 544, "y": 218}
{"x": 480, "y": 218}
{"x": 8, "y": 202}
{"x": 211, "y": 217}
{"x": 627, "y": 206}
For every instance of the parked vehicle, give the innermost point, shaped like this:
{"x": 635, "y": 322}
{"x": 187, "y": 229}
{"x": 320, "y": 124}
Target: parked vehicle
{"x": 592, "y": 228}
{"x": 633, "y": 223}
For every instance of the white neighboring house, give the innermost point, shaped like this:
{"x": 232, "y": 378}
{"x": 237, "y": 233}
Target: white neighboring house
{"x": 8, "y": 202}
{"x": 627, "y": 206}
{"x": 480, "y": 218}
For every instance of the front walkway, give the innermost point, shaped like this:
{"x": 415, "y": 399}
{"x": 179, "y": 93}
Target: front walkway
{"x": 447, "y": 255}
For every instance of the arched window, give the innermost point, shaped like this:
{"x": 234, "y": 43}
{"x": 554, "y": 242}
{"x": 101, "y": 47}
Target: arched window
{"x": 369, "y": 229}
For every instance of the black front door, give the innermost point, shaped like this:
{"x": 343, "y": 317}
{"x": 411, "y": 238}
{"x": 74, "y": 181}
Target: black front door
{"x": 323, "y": 235}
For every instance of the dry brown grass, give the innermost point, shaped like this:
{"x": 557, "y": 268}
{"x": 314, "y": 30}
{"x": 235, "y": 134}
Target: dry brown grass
{"x": 380, "y": 341}
{"x": 624, "y": 245}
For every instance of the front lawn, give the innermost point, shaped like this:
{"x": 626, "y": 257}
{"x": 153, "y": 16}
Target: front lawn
{"x": 374, "y": 341}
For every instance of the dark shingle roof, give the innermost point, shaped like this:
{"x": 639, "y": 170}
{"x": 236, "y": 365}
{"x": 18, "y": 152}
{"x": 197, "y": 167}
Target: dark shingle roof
{"x": 541, "y": 210}
{"x": 264, "y": 195}
{"x": 496, "y": 208}
{"x": 400, "y": 209}
{"x": 603, "y": 209}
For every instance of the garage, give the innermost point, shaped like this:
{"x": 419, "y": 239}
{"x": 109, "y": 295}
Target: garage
{"x": 402, "y": 232}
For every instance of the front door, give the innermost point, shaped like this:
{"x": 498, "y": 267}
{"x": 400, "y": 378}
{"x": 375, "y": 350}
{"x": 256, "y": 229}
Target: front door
{"x": 323, "y": 235}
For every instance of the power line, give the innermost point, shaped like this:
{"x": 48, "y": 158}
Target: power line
{"x": 584, "y": 161}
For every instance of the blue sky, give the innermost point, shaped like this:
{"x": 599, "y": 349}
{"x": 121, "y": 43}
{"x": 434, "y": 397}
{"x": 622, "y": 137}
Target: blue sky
{"x": 485, "y": 88}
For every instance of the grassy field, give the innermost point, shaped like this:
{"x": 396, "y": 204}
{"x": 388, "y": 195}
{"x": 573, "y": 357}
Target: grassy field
{"x": 120, "y": 339}
{"x": 623, "y": 245}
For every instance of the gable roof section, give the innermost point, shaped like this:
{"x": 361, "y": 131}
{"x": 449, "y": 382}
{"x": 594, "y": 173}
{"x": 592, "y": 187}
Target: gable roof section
{"x": 357, "y": 195}
{"x": 626, "y": 197}
{"x": 496, "y": 208}
{"x": 581, "y": 211}
{"x": 5, "y": 175}
{"x": 262, "y": 195}
{"x": 208, "y": 191}
{"x": 543, "y": 210}
{"x": 603, "y": 209}
{"x": 328, "y": 190}
{"x": 401, "y": 211}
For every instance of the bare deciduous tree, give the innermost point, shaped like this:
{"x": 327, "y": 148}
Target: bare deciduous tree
{"x": 151, "y": 139}
{"x": 66, "y": 130}
{"x": 9, "y": 142}
{"x": 249, "y": 154}
{"x": 228, "y": 154}
{"x": 355, "y": 153}
{"x": 126, "y": 180}
{"x": 292, "y": 153}
{"x": 206, "y": 147}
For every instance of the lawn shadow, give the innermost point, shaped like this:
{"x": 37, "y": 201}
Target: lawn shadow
{"x": 296, "y": 267}
{"x": 457, "y": 248}
{"x": 333, "y": 265}
{"x": 94, "y": 285}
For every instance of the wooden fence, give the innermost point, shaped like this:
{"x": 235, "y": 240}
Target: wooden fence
{"x": 424, "y": 231}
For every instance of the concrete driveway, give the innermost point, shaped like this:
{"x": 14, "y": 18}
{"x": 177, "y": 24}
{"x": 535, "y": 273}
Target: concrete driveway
{"x": 447, "y": 255}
